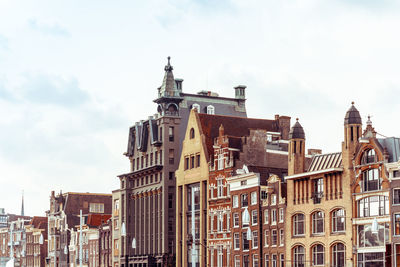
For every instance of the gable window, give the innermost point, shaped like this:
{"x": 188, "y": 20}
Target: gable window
{"x": 220, "y": 160}
{"x": 220, "y": 188}
{"x": 210, "y": 110}
{"x": 191, "y": 135}
{"x": 192, "y": 162}
{"x": 371, "y": 180}
{"x": 298, "y": 224}
{"x": 338, "y": 220}
{"x": 369, "y": 156}
{"x": 273, "y": 199}
{"x": 318, "y": 222}
{"x": 264, "y": 195}
{"x": 186, "y": 163}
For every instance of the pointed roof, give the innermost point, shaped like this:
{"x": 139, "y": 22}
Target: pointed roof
{"x": 168, "y": 84}
{"x": 296, "y": 132}
{"x": 352, "y": 116}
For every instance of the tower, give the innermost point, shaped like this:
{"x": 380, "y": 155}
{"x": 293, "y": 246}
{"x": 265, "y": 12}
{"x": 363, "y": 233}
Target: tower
{"x": 352, "y": 132}
{"x": 169, "y": 93}
{"x": 296, "y": 149}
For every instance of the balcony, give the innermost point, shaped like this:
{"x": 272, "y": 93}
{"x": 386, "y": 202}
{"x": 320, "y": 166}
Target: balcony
{"x": 317, "y": 197}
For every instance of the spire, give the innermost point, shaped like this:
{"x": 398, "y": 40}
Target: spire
{"x": 22, "y": 206}
{"x": 168, "y": 86}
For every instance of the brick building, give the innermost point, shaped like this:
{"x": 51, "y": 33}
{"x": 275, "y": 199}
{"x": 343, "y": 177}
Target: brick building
{"x": 210, "y": 153}
{"x": 146, "y": 197}
{"x": 105, "y": 244}
{"x": 63, "y": 216}
{"x": 36, "y": 242}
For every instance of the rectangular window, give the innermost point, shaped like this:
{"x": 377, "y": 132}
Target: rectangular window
{"x": 197, "y": 160}
{"x": 273, "y": 199}
{"x": 282, "y": 260}
{"x": 161, "y": 158}
{"x": 255, "y": 239}
{"x": 141, "y": 162}
{"x": 244, "y": 200}
{"x": 186, "y": 163}
{"x": 273, "y": 216}
{"x": 396, "y": 196}
{"x": 396, "y": 174}
{"x": 281, "y": 238}
{"x": 96, "y": 207}
{"x": 397, "y": 224}
{"x": 171, "y": 175}
{"x": 170, "y": 201}
{"x": 235, "y": 201}
{"x": 237, "y": 261}
{"x": 151, "y": 159}
{"x": 220, "y": 188}
{"x": 171, "y": 134}
{"x": 281, "y": 215}
{"x": 147, "y": 161}
{"x": 255, "y": 261}
{"x": 266, "y": 216}
{"x": 266, "y": 256}
{"x": 274, "y": 237}
{"x": 274, "y": 259}
{"x": 264, "y": 195}
{"x": 245, "y": 241}
{"x": 156, "y": 157}
{"x": 236, "y": 220}
{"x": 266, "y": 238}
{"x": 254, "y": 217}
{"x": 220, "y": 222}
{"x": 171, "y": 156}
{"x": 191, "y": 162}
{"x": 236, "y": 241}
{"x": 253, "y": 198}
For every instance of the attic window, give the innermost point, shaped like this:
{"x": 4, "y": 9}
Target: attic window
{"x": 191, "y": 133}
{"x": 210, "y": 110}
{"x": 96, "y": 207}
{"x": 196, "y": 106}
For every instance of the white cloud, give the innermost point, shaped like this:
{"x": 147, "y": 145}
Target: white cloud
{"x": 70, "y": 101}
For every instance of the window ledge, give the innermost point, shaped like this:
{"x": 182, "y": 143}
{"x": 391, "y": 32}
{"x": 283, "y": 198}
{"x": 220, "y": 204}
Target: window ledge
{"x": 339, "y": 233}
{"x": 298, "y": 236}
{"x": 318, "y": 234}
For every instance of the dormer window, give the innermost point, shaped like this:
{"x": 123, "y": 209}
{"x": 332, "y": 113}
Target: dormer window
{"x": 210, "y": 110}
{"x": 369, "y": 156}
{"x": 196, "y": 106}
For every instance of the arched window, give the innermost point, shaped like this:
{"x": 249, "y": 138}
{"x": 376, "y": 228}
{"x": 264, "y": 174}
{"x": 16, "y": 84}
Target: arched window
{"x": 338, "y": 255}
{"x": 373, "y": 206}
{"x": 191, "y": 133}
{"x": 210, "y": 109}
{"x": 371, "y": 180}
{"x": 298, "y": 256}
{"x": 318, "y": 255}
{"x": 369, "y": 156}
{"x": 298, "y": 224}
{"x": 317, "y": 222}
{"x": 338, "y": 220}
{"x": 196, "y": 106}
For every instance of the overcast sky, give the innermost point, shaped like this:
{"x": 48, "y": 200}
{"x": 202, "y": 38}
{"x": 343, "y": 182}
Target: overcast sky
{"x": 75, "y": 75}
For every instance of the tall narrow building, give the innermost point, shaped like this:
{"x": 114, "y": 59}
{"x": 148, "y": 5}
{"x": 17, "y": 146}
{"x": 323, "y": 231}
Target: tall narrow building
{"x": 144, "y": 205}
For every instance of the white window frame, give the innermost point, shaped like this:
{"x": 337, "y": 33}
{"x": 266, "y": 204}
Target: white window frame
{"x": 281, "y": 215}
{"x": 210, "y": 109}
{"x": 196, "y": 106}
{"x": 281, "y": 238}
{"x": 220, "y": 188}
{"x": 253, "y": 198}
{"x": 235, "y": 201}
{"x": 254, "y": 213}
{"x": 266, "y": 216}
{"x": 234, "y": 221}
{"x": 273, "y": 216}
{"x": 236, "y": 241}
{"x": 273, "y": 199}
{"x": 254, "y": 239}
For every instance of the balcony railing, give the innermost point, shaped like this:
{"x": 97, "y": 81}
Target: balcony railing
{"x": 317, "y": 197}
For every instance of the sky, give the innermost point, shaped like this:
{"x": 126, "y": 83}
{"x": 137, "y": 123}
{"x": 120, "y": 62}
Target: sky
{"x": 75, "y": 75}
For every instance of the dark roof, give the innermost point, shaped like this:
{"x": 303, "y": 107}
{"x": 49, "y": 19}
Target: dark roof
{"x": 325, "y": 161}
{"x": 392, "y": 145}
{"x": 233, "y": 126}
{"x": 352, "y": 116}
{"x": 296, "y": 131}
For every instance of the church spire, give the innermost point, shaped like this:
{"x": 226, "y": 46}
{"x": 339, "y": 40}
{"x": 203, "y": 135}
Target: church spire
{"x": 22, "y": 206}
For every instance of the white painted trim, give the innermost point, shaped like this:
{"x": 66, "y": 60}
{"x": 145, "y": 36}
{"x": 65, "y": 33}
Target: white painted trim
{"x": 312, "y": 173}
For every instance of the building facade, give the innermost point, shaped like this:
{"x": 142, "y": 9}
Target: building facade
{"x": 105, "y": 244}
{"x": 64, "y": 216}
{"x": 147, "y": 193}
